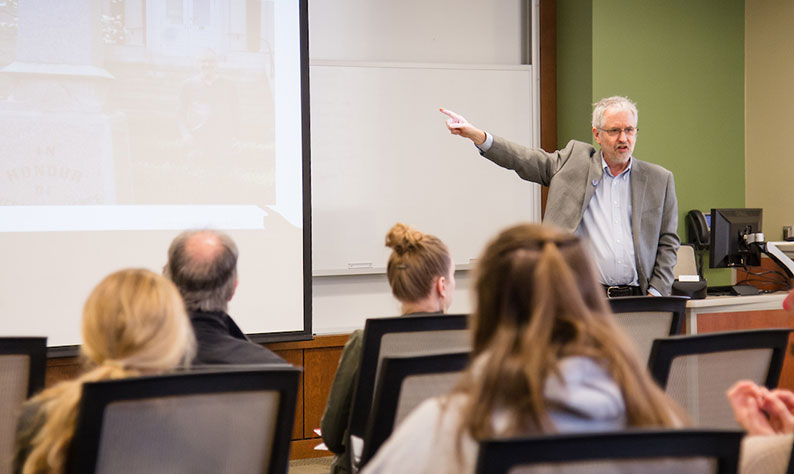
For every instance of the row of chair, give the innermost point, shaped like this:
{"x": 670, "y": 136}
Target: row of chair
{"x": 404, "y": 363}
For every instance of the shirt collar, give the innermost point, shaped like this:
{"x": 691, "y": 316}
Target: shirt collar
{"x": 605, "y": 166}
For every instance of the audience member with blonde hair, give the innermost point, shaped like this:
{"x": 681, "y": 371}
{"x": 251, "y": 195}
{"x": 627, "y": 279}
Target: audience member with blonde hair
{"x": 134, "y": 323}
{"x": 547, "y": 357}
{"x": 422, "y": 278}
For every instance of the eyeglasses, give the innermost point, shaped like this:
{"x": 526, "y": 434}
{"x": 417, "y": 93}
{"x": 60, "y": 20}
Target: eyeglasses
{"x": 615, "y": 132}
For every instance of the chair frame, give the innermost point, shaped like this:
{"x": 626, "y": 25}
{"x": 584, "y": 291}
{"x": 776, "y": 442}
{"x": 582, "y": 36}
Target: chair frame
{"x": 374, "y": 330}
{"x": 36, "y": 350}
{"x": 499, "y": 456}
{"x": 642, "y": 304}
{"x": 665, "y": 350}
{"x": 394, "y": 371}
{"x": 84, "y": 449}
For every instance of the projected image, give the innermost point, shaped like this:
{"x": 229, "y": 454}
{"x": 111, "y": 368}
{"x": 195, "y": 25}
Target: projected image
{"x": 147, "y": 103}
{"x": 200, "y": 107}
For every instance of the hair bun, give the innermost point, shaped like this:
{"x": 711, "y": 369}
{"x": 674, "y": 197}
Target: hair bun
{"x": 403, "y": 238}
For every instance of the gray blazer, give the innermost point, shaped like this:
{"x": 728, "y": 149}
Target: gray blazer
{"x": 569, "y": 173}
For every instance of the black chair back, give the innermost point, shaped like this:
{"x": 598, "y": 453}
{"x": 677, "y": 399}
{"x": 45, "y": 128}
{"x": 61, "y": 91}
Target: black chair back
{"x": 236, "y": 420}
{"x": 402, "y": 335}
{"x": 697, "y": 370}
{"x": 645, "y": 318}
{"x": 34, "y": 349}
{"x": 404, "y": 383}
{"x": 23, "y": 361}
{"x": 648, "y": 451}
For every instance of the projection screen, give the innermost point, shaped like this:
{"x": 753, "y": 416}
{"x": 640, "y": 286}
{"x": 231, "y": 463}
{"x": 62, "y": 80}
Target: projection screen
{"x": 123, "y": 123}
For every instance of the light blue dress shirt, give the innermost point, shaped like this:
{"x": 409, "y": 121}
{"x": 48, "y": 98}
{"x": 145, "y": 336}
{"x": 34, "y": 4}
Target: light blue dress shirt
{"x": 606, "y": 226}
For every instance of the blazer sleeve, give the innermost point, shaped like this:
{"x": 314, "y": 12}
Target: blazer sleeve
{"x": 667, "y": 250}
{"x": 333, "y": 424}
{"x": 533, "y": 164}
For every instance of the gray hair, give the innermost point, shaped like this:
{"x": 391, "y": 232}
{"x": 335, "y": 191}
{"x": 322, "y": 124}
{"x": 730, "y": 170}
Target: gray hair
{"x": 206, "y": 284}
{"x": 616, "y": 103}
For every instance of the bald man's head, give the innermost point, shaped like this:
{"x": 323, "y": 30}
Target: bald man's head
{"x": 203, "y": 265}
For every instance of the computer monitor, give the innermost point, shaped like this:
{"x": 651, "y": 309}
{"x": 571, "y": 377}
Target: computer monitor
{"x": 727, "y": 240}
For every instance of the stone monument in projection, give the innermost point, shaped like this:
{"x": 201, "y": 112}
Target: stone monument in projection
{"x": 59, "y": 143}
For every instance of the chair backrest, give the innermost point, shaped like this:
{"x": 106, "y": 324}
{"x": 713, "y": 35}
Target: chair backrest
{"x": 402, "y": 335}
{"x": 696, "y": 370}
{"x": 223, "y": 421}
{"x": 685, "y": 262}
{"x": 23, "y": 361}
{"x": 645, "y": 318}
{"x": 404, "y": 383}
{"x": 645, "y": 451}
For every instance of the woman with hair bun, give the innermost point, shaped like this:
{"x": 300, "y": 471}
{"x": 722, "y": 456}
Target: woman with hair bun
{"x": 547, "y": 357}
{"x": 422, "y": 278}
{"x": 134, "y": 323}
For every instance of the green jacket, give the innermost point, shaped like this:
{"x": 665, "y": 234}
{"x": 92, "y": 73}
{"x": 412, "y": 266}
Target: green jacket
{"x": 337, "y": 410}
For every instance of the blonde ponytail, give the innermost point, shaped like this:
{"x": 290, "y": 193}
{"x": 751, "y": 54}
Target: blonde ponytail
{"x": 49, "y": 447}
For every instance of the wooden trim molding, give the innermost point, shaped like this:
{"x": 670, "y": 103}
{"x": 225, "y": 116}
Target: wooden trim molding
{"x": 548, "y": 84}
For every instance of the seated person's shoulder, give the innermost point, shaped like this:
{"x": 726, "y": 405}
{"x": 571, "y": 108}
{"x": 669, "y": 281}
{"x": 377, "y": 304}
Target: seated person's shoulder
{"x": 766, "y": 453}
{"x": 220, "y": 341}
{"x": 228, "y": 350}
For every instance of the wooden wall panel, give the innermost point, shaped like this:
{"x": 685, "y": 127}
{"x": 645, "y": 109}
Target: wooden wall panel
{"x": 62, "y": 368}
{"x": 320, "y": 370}
{"x": 295, "y": 357}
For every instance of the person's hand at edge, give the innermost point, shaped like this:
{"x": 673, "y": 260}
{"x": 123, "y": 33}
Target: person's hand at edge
{"x": 778, "y": 407}
{"x": 786, "y": 396}
{"x": 745, "y": 398}
{"x": 788, "y": 303}
{"x": 458, "y": 125}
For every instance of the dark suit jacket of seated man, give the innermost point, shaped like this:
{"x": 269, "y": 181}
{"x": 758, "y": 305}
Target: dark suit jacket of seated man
{"x": 203, "y": 265}
{"x": 221, "y": 341}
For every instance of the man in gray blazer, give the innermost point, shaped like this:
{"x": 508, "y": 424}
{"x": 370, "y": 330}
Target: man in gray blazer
{"x": 625, "y": 208}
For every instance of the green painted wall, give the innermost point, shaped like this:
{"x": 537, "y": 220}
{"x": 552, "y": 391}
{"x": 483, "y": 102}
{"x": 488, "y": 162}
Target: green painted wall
{"x": 574, "y": 71}
{"x": 682, "y": 62}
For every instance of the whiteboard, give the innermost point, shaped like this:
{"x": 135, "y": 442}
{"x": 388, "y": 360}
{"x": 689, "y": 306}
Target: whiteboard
{"x": 381, "y": 154}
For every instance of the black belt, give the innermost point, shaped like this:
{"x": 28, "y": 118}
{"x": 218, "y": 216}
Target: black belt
{"x": 613, "y": 291}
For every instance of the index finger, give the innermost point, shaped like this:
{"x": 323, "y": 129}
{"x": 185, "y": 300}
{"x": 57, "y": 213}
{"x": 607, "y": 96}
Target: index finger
{"x": 742, "y": 388}
{"x": 779, "y": 415}
{"x": 451, "y": 114}
{"x": 786, "y": 397}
